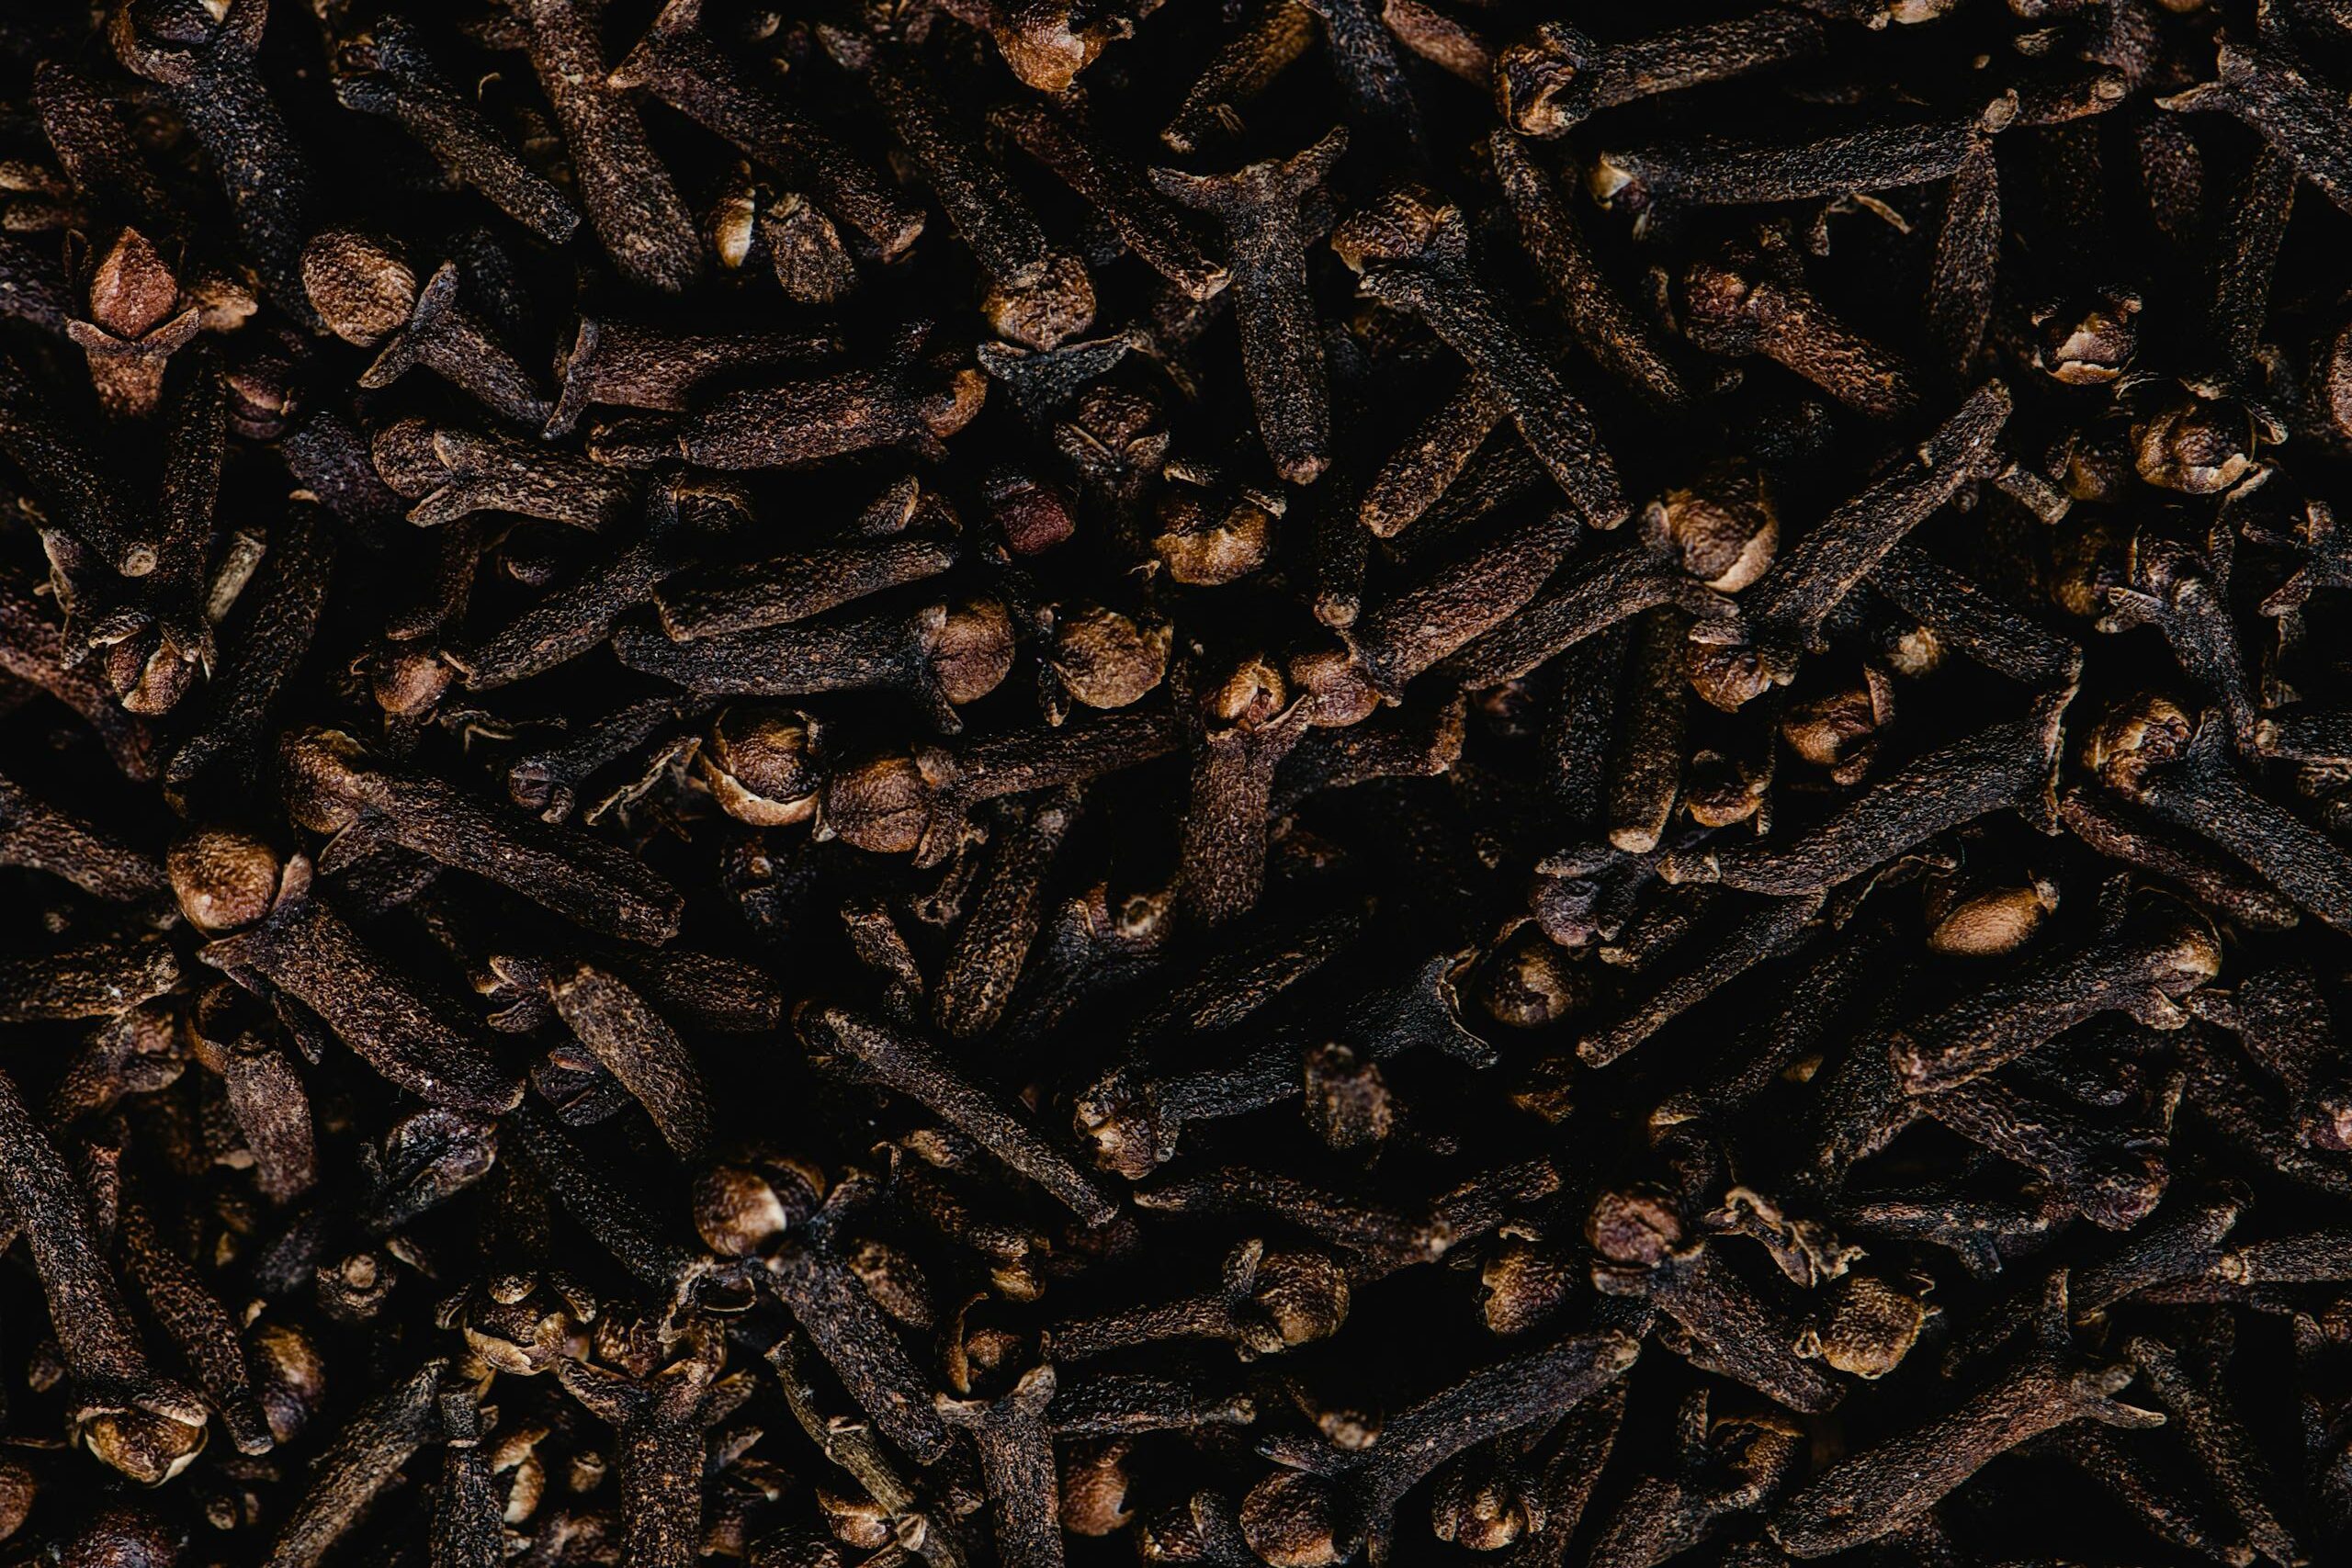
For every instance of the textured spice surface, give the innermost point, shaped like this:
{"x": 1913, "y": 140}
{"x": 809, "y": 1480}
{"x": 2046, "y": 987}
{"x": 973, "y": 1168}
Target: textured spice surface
{"x": 1255, "y": 781}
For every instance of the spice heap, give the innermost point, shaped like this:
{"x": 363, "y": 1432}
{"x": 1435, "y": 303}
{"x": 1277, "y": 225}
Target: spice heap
{"x": 1260, "y": 781}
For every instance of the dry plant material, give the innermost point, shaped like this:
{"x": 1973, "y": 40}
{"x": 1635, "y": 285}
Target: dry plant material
{"x": 1287, "y": 782}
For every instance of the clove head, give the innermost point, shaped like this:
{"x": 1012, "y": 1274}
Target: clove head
{"x": 1045, "y": 46}
{"x": 17, "y": 1491}
{"x": 1989, "y": 921}
{"x": 1478, "y": 1505}
{"x": 1722, "y": 790}
{"x": 1532, "y": 982}
{"x": 2196, "y": 445}
{"x": 514, "y": 1324}
{"x": 2088, "y": 562}
{"x": 1033, "y": 515}
{"x": 2332, "y": 381}
{"x": 989, "y": 1358}
{"x": 1723, "y": 532}
{"x": 1614, "y": 181}
{"x": 1095, "y": 1486}
{"x": 2088, "y": 343}
{"x": 1872, "y": 1325}
{"x": 408, "y": 680}
{"x": 738, "y": 1210}
{"x": 149, "y": 1447}
{"x": 1521, "y": 1285}
{"x": 967, "y": 647}
{"x": 323, "y": 783}
{"x": 1719, "y": 308}
{"x": 1296, "y": 1298}
{"x": 1292, "y": 1520}
{"x": 122, "y": 1535}
{"x": 1542, "y": 84}
{"x": 1403, "y": 224}
{"x": 950, "y": 408}
{"x": 1348, "y": 1101}
{"x": 1104, "y": 660}
{"x": 1252, "y": 694}
{"x": 1634, "y": 1227}
{"x": 1050, "y": 303}
{"x": 2137, "y": 735}
{"x": 289, "y": 1377}
{"x": 1726, "y": 675}
{"x": 225, "y": 879}
{"x": 132, "y": 288}
{"x": 855, "y": 1519}
{"x": 761, "y": 766}
{"x": 1114, "y": 437}
{"x": 1204, "y": 544}
{"x": 881, "y": 804}
{"x": 359, "y": 285}
{"x": 1119, "y": 1118}
{"x": 1338, "y": 691}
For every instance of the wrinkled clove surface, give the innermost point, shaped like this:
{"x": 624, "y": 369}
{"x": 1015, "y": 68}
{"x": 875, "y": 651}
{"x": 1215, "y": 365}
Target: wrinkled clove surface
{"x": 980, "y": 783}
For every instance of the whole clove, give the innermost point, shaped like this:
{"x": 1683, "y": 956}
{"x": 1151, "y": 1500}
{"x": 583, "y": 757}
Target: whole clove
{"x": 1319, "y": 781}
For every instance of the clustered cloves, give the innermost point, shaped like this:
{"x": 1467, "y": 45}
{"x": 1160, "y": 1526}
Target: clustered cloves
{"x": 1293, "y": 781}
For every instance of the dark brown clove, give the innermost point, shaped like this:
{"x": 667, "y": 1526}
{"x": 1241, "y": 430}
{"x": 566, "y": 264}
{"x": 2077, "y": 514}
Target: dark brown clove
{"x": 451, "y": 474}
{"x": 368, "y": 297}
{"x": 1391, "y": 644}
{"x": 1413, "y": 251}
{"x": 340, "y": 790}
{"x": 1120, "y": 192}
{"x": 269, "y": 927}
{"x": 135, "y": 326}
{"x": 1754, "y": 301}
{"x": 38, "y": 837}
{"x": 2147, "y": 752}
{"x": 2143, "y": 964}
{"x": 2275, "y": 96}
{"x": 623, "y": 364}
{"x": 1017, "y": 1466}
{"x": 631, "y": 203}
{"x": 1248, "y": 724}
{"x": 1781, "y": 613}
{"x": 1276, "y": 33}
{"x": 365, "y": 1458}
{"x": 680, "y": 64}
{"x": 904, "y": 401}
{"x": 126, "y": 1412}
{"x": 1886, "y": 1487}
{"x": 1041, "y": 294}
{"x": 2225, "y": 1452}
{"x": 1878, "y": 157}
{"x": 1553, "y": 80}
{"x": 1281, "y": 356}
{"x": 917, "y": 802}
{"x": 1298, "y": 1519}
{"x": 388, "y": 71}
{"x": 1266, "y": 1304}
{"x": 943, "y": 655}
{"x": 906, "y": 1065}
{"x": 208, "y": 71}
{"x": 976, "y": 982}
{"x": 660, "y": 1414}
{"x": 787, "y": 588}
{"x": 1644, "y": 1254}
{"x": 2008, "y": 767}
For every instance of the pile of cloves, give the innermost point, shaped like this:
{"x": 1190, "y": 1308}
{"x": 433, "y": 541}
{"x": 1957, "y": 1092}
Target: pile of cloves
{"x": 1270, "y": 782}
